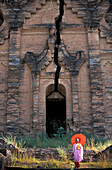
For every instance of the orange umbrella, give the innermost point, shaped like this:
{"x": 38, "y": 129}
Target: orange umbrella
{"x": 81, "y": 137}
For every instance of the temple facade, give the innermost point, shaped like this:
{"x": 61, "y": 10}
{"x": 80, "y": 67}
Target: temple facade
{"x": 55, "y": 66}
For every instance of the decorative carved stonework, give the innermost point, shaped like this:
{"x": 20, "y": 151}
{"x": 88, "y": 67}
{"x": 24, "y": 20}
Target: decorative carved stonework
{"x": 36, "y": 61}
{"x": 92, "y": 12}
{"x": 106, "y": 28}
{"x": 73, "y": 60}
{"x": 3, "y": 34}
{"x": 52, "y": 38}
{"x": 16, "y": 14}
{"x": 108, "y": 17}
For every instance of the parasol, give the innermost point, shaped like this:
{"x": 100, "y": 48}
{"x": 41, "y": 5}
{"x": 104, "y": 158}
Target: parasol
{"x": 81, "y": 137}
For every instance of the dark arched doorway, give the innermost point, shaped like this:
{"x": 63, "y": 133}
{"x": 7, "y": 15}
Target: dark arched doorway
{"x": 55, "y": 110}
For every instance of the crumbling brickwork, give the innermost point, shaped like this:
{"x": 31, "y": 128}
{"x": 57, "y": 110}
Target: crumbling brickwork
{"x": 28, "y": 79}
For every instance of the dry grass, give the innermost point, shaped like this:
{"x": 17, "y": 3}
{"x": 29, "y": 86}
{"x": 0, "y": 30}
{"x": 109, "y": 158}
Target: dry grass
{"x": 31, "y": 162}
{"x": 100, "y": 164}
{"x": 97, "y": 146}
{"x": 25, "y": 161}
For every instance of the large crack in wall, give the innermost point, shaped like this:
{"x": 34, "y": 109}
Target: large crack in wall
{"x": 58, "y": 22}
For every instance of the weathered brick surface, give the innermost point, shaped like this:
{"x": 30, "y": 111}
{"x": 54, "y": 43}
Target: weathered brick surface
{"x": 96, "y": 83}
{"x": 107, "y": 79}
{"x": 85, "y": 99}
{"x": 25, "y": 119}
{"x": 27, "y": 67}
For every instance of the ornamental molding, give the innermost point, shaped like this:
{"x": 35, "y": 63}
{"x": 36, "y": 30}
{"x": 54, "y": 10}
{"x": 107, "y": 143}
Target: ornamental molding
{"x": 91, "y": 11}
{"x": 106, "y": 24}
{"x": 70, "y": 60}
{"x": 37, "y": 61}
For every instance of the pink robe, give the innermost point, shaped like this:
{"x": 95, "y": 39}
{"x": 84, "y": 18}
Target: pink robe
{"x": 78, "y": 152}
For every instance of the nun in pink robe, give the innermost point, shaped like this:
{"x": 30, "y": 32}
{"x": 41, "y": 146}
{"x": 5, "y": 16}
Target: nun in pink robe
{"x": 78, "y": 153}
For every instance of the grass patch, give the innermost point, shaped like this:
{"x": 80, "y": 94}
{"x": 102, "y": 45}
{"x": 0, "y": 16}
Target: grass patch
{"x": 25, "y": 161}
{"x": 97, "y": 144}
{"x": 31, "y": 162}
{"x": 100, "y": 164}
{"x": 58, "y": 141}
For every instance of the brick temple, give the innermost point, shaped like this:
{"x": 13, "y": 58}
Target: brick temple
{"x": 55, "y": 66}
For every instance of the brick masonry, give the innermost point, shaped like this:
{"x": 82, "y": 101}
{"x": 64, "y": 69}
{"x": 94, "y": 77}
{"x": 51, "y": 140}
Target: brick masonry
{"x": 27, "y": 68}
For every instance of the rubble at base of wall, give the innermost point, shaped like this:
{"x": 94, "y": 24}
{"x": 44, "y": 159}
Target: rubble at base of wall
{"x": 50, "y": 153}
{"x": 5, "y": 158}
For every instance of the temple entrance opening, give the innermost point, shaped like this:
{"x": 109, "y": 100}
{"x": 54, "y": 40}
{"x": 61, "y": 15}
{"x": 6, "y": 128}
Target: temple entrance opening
{"x": 55, "y": 110}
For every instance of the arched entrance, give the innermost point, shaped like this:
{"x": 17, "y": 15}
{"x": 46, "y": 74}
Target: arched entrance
{"x": 55, "y": 109}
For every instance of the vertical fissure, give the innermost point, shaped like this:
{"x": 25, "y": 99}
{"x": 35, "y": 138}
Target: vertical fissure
{"x": 58, "y": 23}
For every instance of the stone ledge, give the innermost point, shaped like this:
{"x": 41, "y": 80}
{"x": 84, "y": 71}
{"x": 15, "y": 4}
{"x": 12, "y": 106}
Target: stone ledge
{"x": 44, "y": 154}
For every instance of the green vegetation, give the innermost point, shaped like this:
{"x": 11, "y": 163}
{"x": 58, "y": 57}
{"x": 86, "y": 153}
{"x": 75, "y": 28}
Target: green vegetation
{"x": 60, "y": 141}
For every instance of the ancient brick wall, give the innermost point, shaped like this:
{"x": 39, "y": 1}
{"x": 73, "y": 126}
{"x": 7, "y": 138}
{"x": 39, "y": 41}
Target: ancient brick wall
{"x": 27, "y": 67}
{"x": 3, "y": 74}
